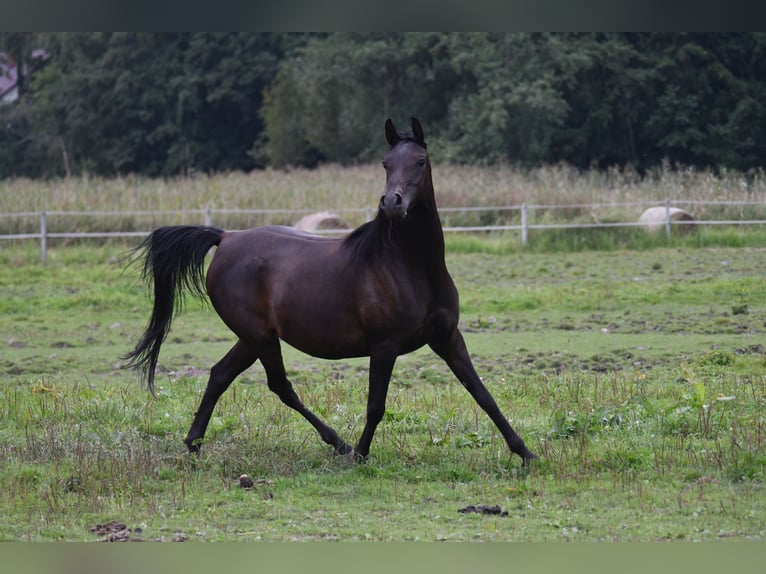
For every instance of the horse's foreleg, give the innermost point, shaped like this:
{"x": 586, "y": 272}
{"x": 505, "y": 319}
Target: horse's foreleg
{"x": 453, "y": 350}
{"x": 239, "y": 358}
{"x": 271, "y": 359}
{"x": 380, "y": 375}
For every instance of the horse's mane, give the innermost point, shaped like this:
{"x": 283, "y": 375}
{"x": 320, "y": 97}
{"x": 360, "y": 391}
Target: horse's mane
{"x": 371, "y": 239}
{"x": 374, "y": 238}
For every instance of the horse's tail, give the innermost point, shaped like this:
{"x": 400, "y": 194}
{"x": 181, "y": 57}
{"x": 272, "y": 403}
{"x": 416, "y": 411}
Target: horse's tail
{"x": 174, "y": 261}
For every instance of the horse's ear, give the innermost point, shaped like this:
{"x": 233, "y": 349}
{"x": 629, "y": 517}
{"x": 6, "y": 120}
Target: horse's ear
{"x": 392, "y": 136}
{"x": 417, "y": 131}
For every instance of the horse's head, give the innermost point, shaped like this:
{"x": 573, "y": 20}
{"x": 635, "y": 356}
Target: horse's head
{"x": 408, "y": 171}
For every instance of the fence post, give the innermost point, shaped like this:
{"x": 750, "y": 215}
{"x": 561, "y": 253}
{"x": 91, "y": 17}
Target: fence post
{"x": 524, "y": 228}
{"x": 208, "y": 217}
{"x": 667, "y": 218}
{"x": 43, "y": 237}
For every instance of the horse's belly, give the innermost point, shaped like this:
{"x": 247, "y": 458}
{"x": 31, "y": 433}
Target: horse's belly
{"x": 338, "y": 337}
{"x": 326, "y": 342}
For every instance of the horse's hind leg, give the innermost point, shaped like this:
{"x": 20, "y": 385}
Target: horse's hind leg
{"x": 239, "y": 358}
{"x": 271, "y": 359}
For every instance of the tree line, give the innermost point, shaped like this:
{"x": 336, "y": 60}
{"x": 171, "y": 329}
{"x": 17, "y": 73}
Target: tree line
{"x": 163, "y": 104}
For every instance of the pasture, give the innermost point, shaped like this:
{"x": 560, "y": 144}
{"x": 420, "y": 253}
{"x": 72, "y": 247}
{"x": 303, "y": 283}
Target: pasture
{"x": 639, "y": 376}
{"x": 635, "y": 367}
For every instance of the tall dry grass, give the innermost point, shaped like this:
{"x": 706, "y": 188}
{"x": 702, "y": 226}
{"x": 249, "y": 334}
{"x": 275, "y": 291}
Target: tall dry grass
{"x": 332, "y": 187}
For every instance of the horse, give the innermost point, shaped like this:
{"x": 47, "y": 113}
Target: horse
{"x": 380, "y": 292}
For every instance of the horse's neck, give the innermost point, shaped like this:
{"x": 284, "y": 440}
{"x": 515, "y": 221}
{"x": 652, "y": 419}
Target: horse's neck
{"x": 419, "y": 240}
{"x": 423, "y": 241}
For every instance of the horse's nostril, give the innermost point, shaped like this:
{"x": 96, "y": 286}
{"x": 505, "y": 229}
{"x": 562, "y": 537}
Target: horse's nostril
{"x": 392, "y": 203}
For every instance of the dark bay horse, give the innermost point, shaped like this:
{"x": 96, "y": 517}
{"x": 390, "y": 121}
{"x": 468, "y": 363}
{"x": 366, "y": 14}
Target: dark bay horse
{"x": 380, "y": 292}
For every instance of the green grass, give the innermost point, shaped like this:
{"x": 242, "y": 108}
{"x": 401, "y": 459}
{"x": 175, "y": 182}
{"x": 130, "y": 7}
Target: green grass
{"x": 639, "y": 376}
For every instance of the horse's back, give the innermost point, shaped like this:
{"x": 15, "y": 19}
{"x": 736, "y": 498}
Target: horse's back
{"x": 257, "y": 236}
{"x": 273, "y": 259}
{"x": 278, "y": 246}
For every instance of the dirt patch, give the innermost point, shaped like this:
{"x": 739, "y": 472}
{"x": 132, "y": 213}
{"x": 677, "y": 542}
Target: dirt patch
{"x": 482, "y": 509}
{"x": 115, "y": 531}
{"x": 247, "y": 483}
{"x": 752, "y": 350}
{"x": 188, "y": 372}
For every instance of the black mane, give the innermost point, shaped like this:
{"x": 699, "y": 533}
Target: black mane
{"x": 371, "y": 239}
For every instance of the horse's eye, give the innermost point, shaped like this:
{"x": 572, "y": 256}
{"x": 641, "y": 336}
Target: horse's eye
{"x": 422, "y": 162}
{"x": 384, "y": 164}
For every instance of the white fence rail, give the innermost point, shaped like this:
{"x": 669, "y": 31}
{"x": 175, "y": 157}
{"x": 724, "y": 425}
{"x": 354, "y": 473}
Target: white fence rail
{"x": 525, "y": 213}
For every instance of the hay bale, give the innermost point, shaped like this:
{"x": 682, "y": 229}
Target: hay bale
{"x": 322, "y": 220}
{"x": 653, "y": 219}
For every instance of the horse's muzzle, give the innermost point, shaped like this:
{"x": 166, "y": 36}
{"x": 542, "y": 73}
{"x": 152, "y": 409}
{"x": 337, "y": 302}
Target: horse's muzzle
{"x": 393, "y": 204}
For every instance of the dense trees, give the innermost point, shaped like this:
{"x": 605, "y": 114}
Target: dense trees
{"x": 164, "y": 104}
{"x": 158, "y": 104}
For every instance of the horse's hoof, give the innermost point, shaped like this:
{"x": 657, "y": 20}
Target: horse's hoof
{"x": 193, "y": 446}
{"x": 348, "y": 452}
{"x": 528, "y": 458}
{"x": 357, "y": 457}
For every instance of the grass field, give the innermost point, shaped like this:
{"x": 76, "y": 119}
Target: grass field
{"x": 633, "y": 365}
{"x": 638, "y": 376}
